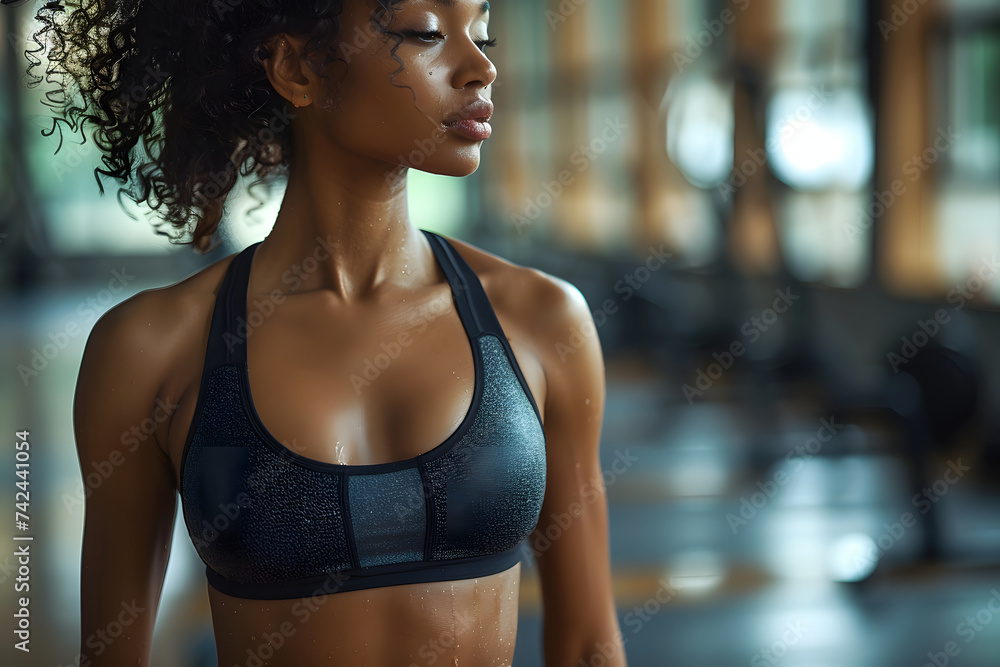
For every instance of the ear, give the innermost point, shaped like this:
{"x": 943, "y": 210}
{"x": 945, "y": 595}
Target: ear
{"x": 288, "y": 71}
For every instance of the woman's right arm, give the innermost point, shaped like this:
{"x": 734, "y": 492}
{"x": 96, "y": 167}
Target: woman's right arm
{"x": 128, "y": 482}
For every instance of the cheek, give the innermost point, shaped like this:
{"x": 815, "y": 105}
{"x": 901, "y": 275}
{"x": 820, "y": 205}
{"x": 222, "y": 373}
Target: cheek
{"x": 384, "y": 118}
{"x": 383, "y": 123}
{"x": 407, "y": 103}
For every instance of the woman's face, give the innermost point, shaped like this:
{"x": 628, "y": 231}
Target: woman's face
{"x": 443, "y": 62}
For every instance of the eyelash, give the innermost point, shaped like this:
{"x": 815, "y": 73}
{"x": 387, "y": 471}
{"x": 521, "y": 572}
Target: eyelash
{"x": 481, "y": 43}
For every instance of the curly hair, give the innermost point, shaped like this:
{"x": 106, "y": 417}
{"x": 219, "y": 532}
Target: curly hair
{"x": 186, "y": 77}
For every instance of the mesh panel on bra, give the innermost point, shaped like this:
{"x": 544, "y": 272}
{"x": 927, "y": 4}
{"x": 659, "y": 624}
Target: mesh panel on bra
{"x": 389, "y": 516}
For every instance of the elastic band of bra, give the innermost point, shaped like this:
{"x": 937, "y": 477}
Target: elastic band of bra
{"x": 375, "y": 576}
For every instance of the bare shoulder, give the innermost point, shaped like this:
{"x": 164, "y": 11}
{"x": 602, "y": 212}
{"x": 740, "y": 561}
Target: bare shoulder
{"x": 161, "y": 317}
{"x": 548, "y": 318}
{"x": 147, "y": 335}
{"x": 547, "y": 305}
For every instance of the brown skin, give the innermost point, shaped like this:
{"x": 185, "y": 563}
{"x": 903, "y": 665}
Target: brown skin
{"x": 147, "y": 353}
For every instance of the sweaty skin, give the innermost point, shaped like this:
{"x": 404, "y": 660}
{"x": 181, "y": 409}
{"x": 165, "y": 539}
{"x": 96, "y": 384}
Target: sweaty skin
{"x": 347, "y": 186}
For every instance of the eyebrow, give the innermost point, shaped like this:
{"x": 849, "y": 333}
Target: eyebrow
{"x": 450, "y": 4}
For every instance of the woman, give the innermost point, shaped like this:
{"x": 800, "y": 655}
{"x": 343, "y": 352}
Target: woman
{"x": 404, "y": 378}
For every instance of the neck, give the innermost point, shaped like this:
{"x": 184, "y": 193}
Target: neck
{"x": 350, "y": 215}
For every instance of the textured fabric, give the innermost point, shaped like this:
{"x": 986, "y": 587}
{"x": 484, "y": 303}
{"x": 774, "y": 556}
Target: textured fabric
{"x": 485, "y": 492}
{"x": 269, "y": 523}
{"x": 388, "y": 515}
{"x": 256, "y": 512}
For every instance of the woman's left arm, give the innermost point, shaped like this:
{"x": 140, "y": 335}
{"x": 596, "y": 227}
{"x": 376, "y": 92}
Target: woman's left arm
{"x": 570, "y": 542}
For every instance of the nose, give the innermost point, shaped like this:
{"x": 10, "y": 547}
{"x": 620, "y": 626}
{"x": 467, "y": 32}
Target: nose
{"x": 475, "y": 69}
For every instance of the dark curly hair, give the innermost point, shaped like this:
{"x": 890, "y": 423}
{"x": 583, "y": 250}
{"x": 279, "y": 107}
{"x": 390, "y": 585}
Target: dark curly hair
{"x": 186, "y": 77}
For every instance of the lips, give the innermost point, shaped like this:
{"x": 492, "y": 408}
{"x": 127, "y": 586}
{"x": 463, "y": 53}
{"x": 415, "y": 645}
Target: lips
{"x": 479, "y": 110}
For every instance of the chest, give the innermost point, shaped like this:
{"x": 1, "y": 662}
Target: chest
{"x": 357, "y": 389}
{"x": 260, "y": 512}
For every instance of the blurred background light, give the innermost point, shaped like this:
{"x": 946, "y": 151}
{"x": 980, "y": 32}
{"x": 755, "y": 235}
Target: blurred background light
{"x": 700, "y": 128}
{"x": 820, "y": 138}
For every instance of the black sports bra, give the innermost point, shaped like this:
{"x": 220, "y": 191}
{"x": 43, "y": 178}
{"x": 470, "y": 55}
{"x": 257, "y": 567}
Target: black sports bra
{"x": 270, "y": 523}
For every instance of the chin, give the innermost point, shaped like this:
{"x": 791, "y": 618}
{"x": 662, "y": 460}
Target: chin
{"x": 457, "y": 165}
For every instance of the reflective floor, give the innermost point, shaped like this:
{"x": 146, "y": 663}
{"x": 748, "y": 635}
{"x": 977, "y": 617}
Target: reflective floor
{"x": 714, "y": 566}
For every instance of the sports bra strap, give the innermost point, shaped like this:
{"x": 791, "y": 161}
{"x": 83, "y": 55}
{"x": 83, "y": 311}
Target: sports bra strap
{"x": 219, "y": 339}
{"x": 238, "y": 329}
{"x": 230, "y": 327}
{"x": 466, "y": 287}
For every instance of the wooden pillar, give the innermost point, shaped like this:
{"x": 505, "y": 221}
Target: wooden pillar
{"x": 649, "y": 168}
{"x": 752, "y": 240}
{"x": 511, "y": 162}
{"x": 573, "y": 221}
{"x": 907, "y": 261}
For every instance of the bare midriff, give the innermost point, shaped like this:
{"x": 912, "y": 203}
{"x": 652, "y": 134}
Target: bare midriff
{"x": 465, "y": 622}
